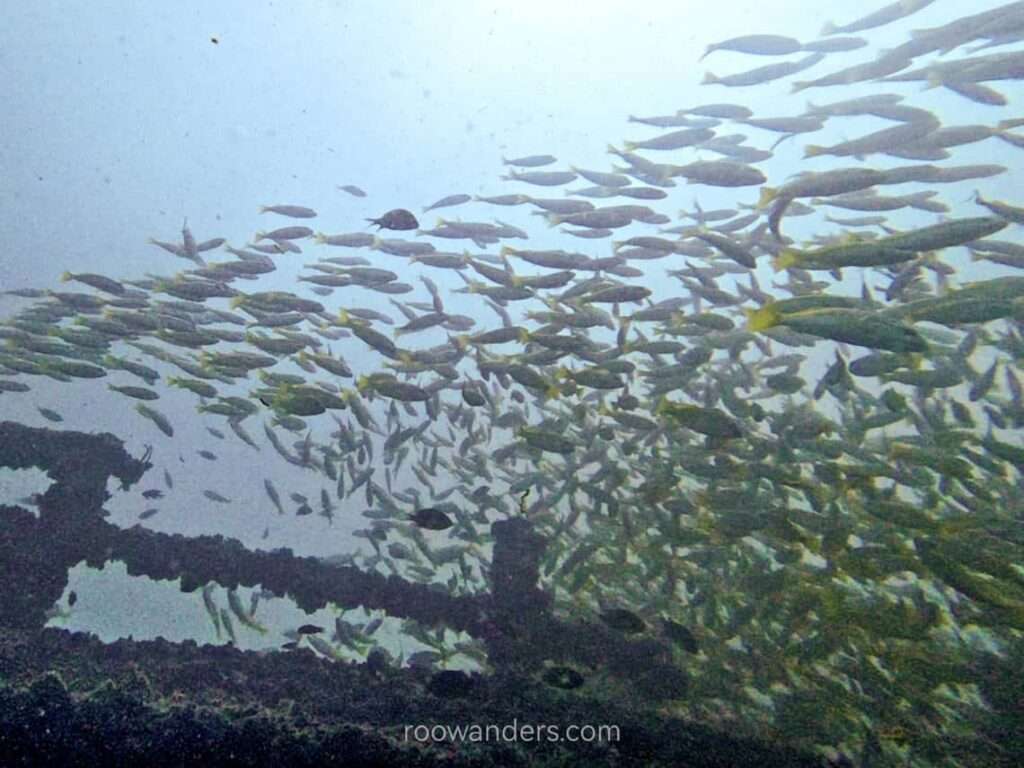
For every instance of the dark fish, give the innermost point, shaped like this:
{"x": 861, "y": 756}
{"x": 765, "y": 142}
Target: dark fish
{"x": 680, "y": 635}
{"x": 148, "y": 513}
{"x": 431, "y": 518}
{"x": 152, "y": 493}
{"x": 398, "y": 219}
{"x": 72, "y": 597}
{"x": 623, "y": 620}
{"x": 450, "y": 683}
{"x": 309, "y": 629}
{"x": 565, "y": 678}
{"x": 353, "y": 190}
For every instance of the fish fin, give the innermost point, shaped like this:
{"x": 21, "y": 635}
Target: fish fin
{"x": 763, "y": 318}
{"x": 786, "y": 259}
{"x": 768, "y": 194}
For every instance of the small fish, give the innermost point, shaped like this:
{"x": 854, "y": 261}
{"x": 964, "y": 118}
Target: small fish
{"x": 152, "y": 493}
{"x": 531, "y": 161}
{"x": 214, "y": 496}
{"x": 397, "y": 219}
{"x": 208, "y": 455}
{"x": 450, "y": 200}
{"x": 148, "y": 513}
{"x": 352, "y": 189}
{"x": 309, "y": 629}
{"x": 156, "y": 417}
{"x": 680, "y": 635}
{"x": 431, "y": 518}
{"x": 50, "y": 415}
{"x": 274, "y": 497}
{"x": 294, "y": 211}
{"x": 623, "y": 620}
{"x": 565, "y": 678}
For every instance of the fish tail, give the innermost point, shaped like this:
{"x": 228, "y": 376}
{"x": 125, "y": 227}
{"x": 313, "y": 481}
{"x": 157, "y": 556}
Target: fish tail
{"x": 629, "y": 146}
{"x": 763, "y": 318}
{"x": 552, "y": 392}
{"x": 707, "y": 50}
{"x": 786, "y": 259}
{"x": 709, "y": 78}
{"x": 237, "y": 301}
{"x": 828, "y": 29}
{"x": 362, "y": 384}
{"x": 319, "y": 238}
{"x": 813, "y": 150}
{"x": 799, "y": 85}
{"x": 524, "y": 336}
{"x": 67, "y": 276}
{"x": 767, "y": 195}
{"x": 264, "y": 209}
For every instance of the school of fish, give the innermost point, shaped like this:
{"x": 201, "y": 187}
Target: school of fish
{"x": 812, "y": 488}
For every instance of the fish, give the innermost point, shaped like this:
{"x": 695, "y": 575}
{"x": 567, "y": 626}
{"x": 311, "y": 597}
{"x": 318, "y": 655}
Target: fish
{"x": 759, "y": 45}
{"x": 292, "y": 211}
{"x": 50, "y": 415}
{"x": 448, "y": 201}
{"x": 623, "y": 620}
{"x": 566, "y": 678}
{"x": 431, "y": 518}
{"x": 885, "y": 15}
{"x": 530, "y": 161}
{"x": 161, "y": 421}
{"x": 397, "y": 219}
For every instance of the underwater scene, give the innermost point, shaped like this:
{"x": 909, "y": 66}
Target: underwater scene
{"x": 512, "y": 383}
